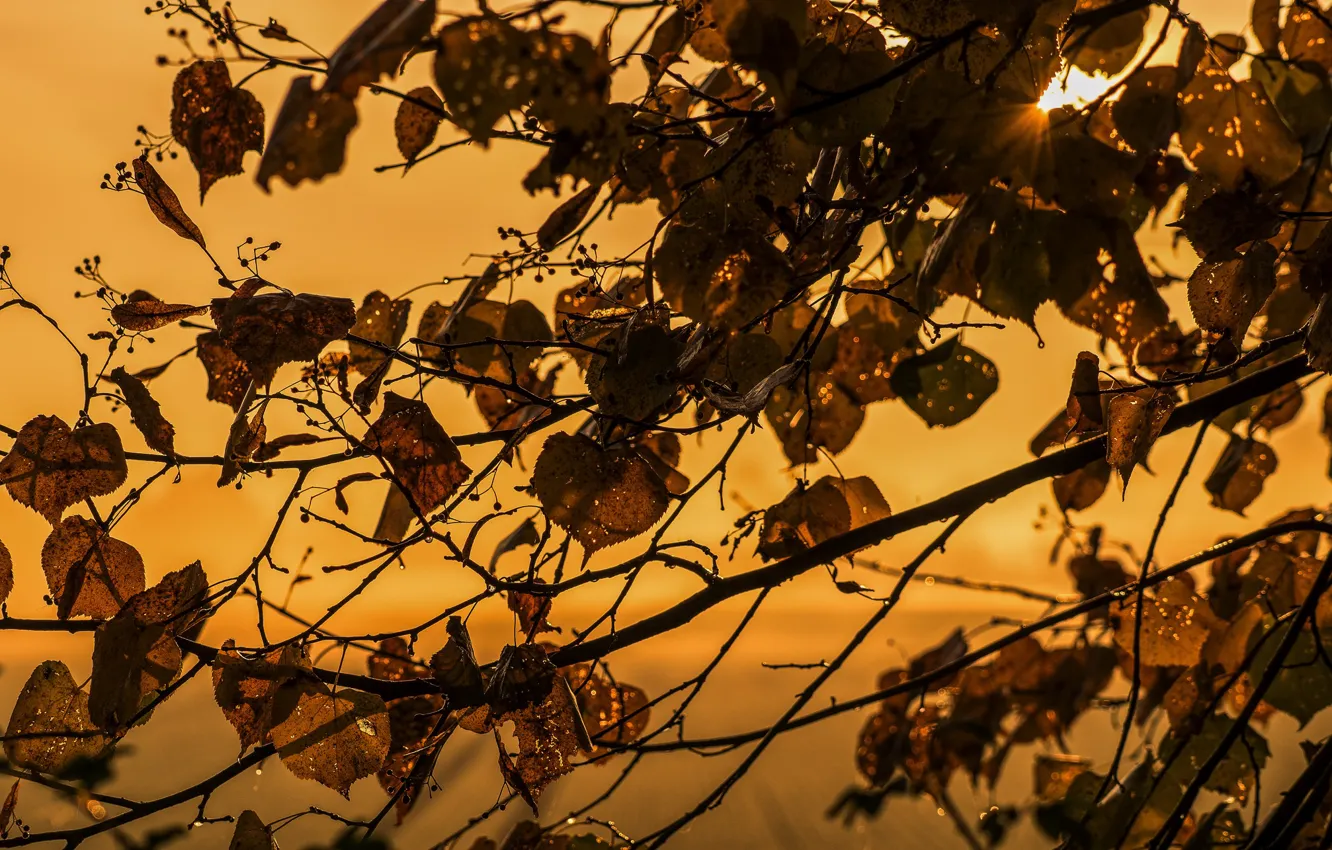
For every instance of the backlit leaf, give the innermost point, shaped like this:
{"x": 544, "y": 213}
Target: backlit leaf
{"x": 416, "y": 125}
{"x": 1175, "y": 625}
{"x": 145, "y": 412}
{"x": 1229, "y": 129}
{"x": 1226, "y": 296}
{"x": 163, "y": 201}
{"x": 309, "y": 139}
{"x": 1237, "y": 479}
{"x": 51, "y": 467}
{"x": 50, "y": 728}
{"x": 332, "y": 738}
{"x": 88, "y": 571}
{"x": 601, "y": 497}
{"x": 141, "y": 312}
{"x": 1136, "y": 419}
{"x": 379, "y": 319}
{"x": 423, "y": 458}
{"x": 947, "y": 384}
{"x": 266, "y": 331}
{"x": 215, "y": 122}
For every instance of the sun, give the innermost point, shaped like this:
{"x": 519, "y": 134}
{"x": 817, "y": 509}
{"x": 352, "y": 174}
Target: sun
{"x": 1074, "y": 87}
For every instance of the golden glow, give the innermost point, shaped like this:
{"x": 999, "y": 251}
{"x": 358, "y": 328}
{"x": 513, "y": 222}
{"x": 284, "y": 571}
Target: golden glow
{"x": 1074, "y": 87}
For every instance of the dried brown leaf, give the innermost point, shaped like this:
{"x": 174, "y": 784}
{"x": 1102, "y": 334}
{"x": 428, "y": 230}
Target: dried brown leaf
{"x": 164, "y": 203}
{"x": 51, "y": 467}
{"x": 88, "y": 571}
{"x": 423, "y": 458}
{"x": 50, "y": 728}
{"x": 145, "y": 412}
{"x": 601, "y": 497}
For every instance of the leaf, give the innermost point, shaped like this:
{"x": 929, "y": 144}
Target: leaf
{"x": 1175, "y": 625}
{"x": 88, "y": 571}
{"x": 1237, "y": 479}
{"x": 828, "y": 420}
{"x": 309, "y": 139}
{"x": 141, "y": 312}
{"x": 135, "y": 653}
{"x": 566, "y": 218}
{"x": 634, "y": 379}
{"x": 547, "y": 739}
{"x": 163, "y": 201}
{"x": 332, "y": 738}
{"x": 7, "y": 815}
{"x": 806, "y": 517}
{"x": 51, "y": 467}
{"x": 947, "y": 384}
{"x": 379, "y": 44}
{"x": 215, "y": 122}
{"x": 524, "y": 535}
{"x": 1146, "y": 114}
{"x": 1224, "y": 221}
{"x": 614, "y": 712}
{"x": 601, "y": 497}
{"x": 1226, "y": 296}
{"x": 1109, "y": 47}
{"x": 486, "y": 68}
{"x": 251, "y": 833}
{"x": 1229, "y": 129}
{"x": 1266, "y": 22}
{"x": 455, "y": 667}
{"x": 1085, "y": 409}
{"x": 1307, "y": 34}
{"x": 379, "y": 319}
{"x": 724, "y": 278}
{"x": 1303, "y": 687}
{"x": 50, "y": 729}
{"x": 474, "y": 331}
{"x": 1082, "y": 488}
{"x": 395, "y": 516}
{"x": 423, "y": 458}
{"x": 6, "y": 573}
{"x": 417, "y": 121}
{"x": 829, "y": 73}
{"x": 267, "y": 331}
{"x": 228, "y": 376}
{"x": 145, "y": 412}
{"x": 765, "y": 36}
{"x": 1136, "y": 419}
{"x": 245, "y": 688}
{"x": 246, "y": 435}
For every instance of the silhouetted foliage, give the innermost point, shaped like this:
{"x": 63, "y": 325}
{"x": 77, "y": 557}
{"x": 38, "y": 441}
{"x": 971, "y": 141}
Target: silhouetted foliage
{"x": 826, "y": 177}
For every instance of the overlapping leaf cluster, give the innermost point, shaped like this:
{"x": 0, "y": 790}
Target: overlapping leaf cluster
{"x": 836, "y": 187}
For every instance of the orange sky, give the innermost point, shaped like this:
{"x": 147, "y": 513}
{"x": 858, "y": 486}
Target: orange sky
{"x": 75, "y": 82}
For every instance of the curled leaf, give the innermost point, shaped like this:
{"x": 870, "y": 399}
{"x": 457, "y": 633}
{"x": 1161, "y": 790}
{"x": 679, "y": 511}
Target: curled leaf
{"x": 163, "y": 201}
{"x": 564, "y": 220}
{"x": 145, "y": 412}
{"x": 141, "y": 312}
{"x": 1136, "y": 419}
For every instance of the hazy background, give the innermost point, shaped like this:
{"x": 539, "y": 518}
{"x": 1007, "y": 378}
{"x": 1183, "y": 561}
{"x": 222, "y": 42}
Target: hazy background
{"x": 76, "y": 78}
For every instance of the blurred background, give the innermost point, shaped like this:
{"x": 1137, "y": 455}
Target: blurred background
{"x": 77, "y": 77}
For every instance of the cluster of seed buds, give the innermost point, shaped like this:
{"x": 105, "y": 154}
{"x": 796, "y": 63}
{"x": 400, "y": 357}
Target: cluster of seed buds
{"x": 257, "y": 254}
{"x": 91, "y": 270}
{"x": 160, "y": 146}
{"x": 122, "y": 181}
{"x": 587, "y": 262}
